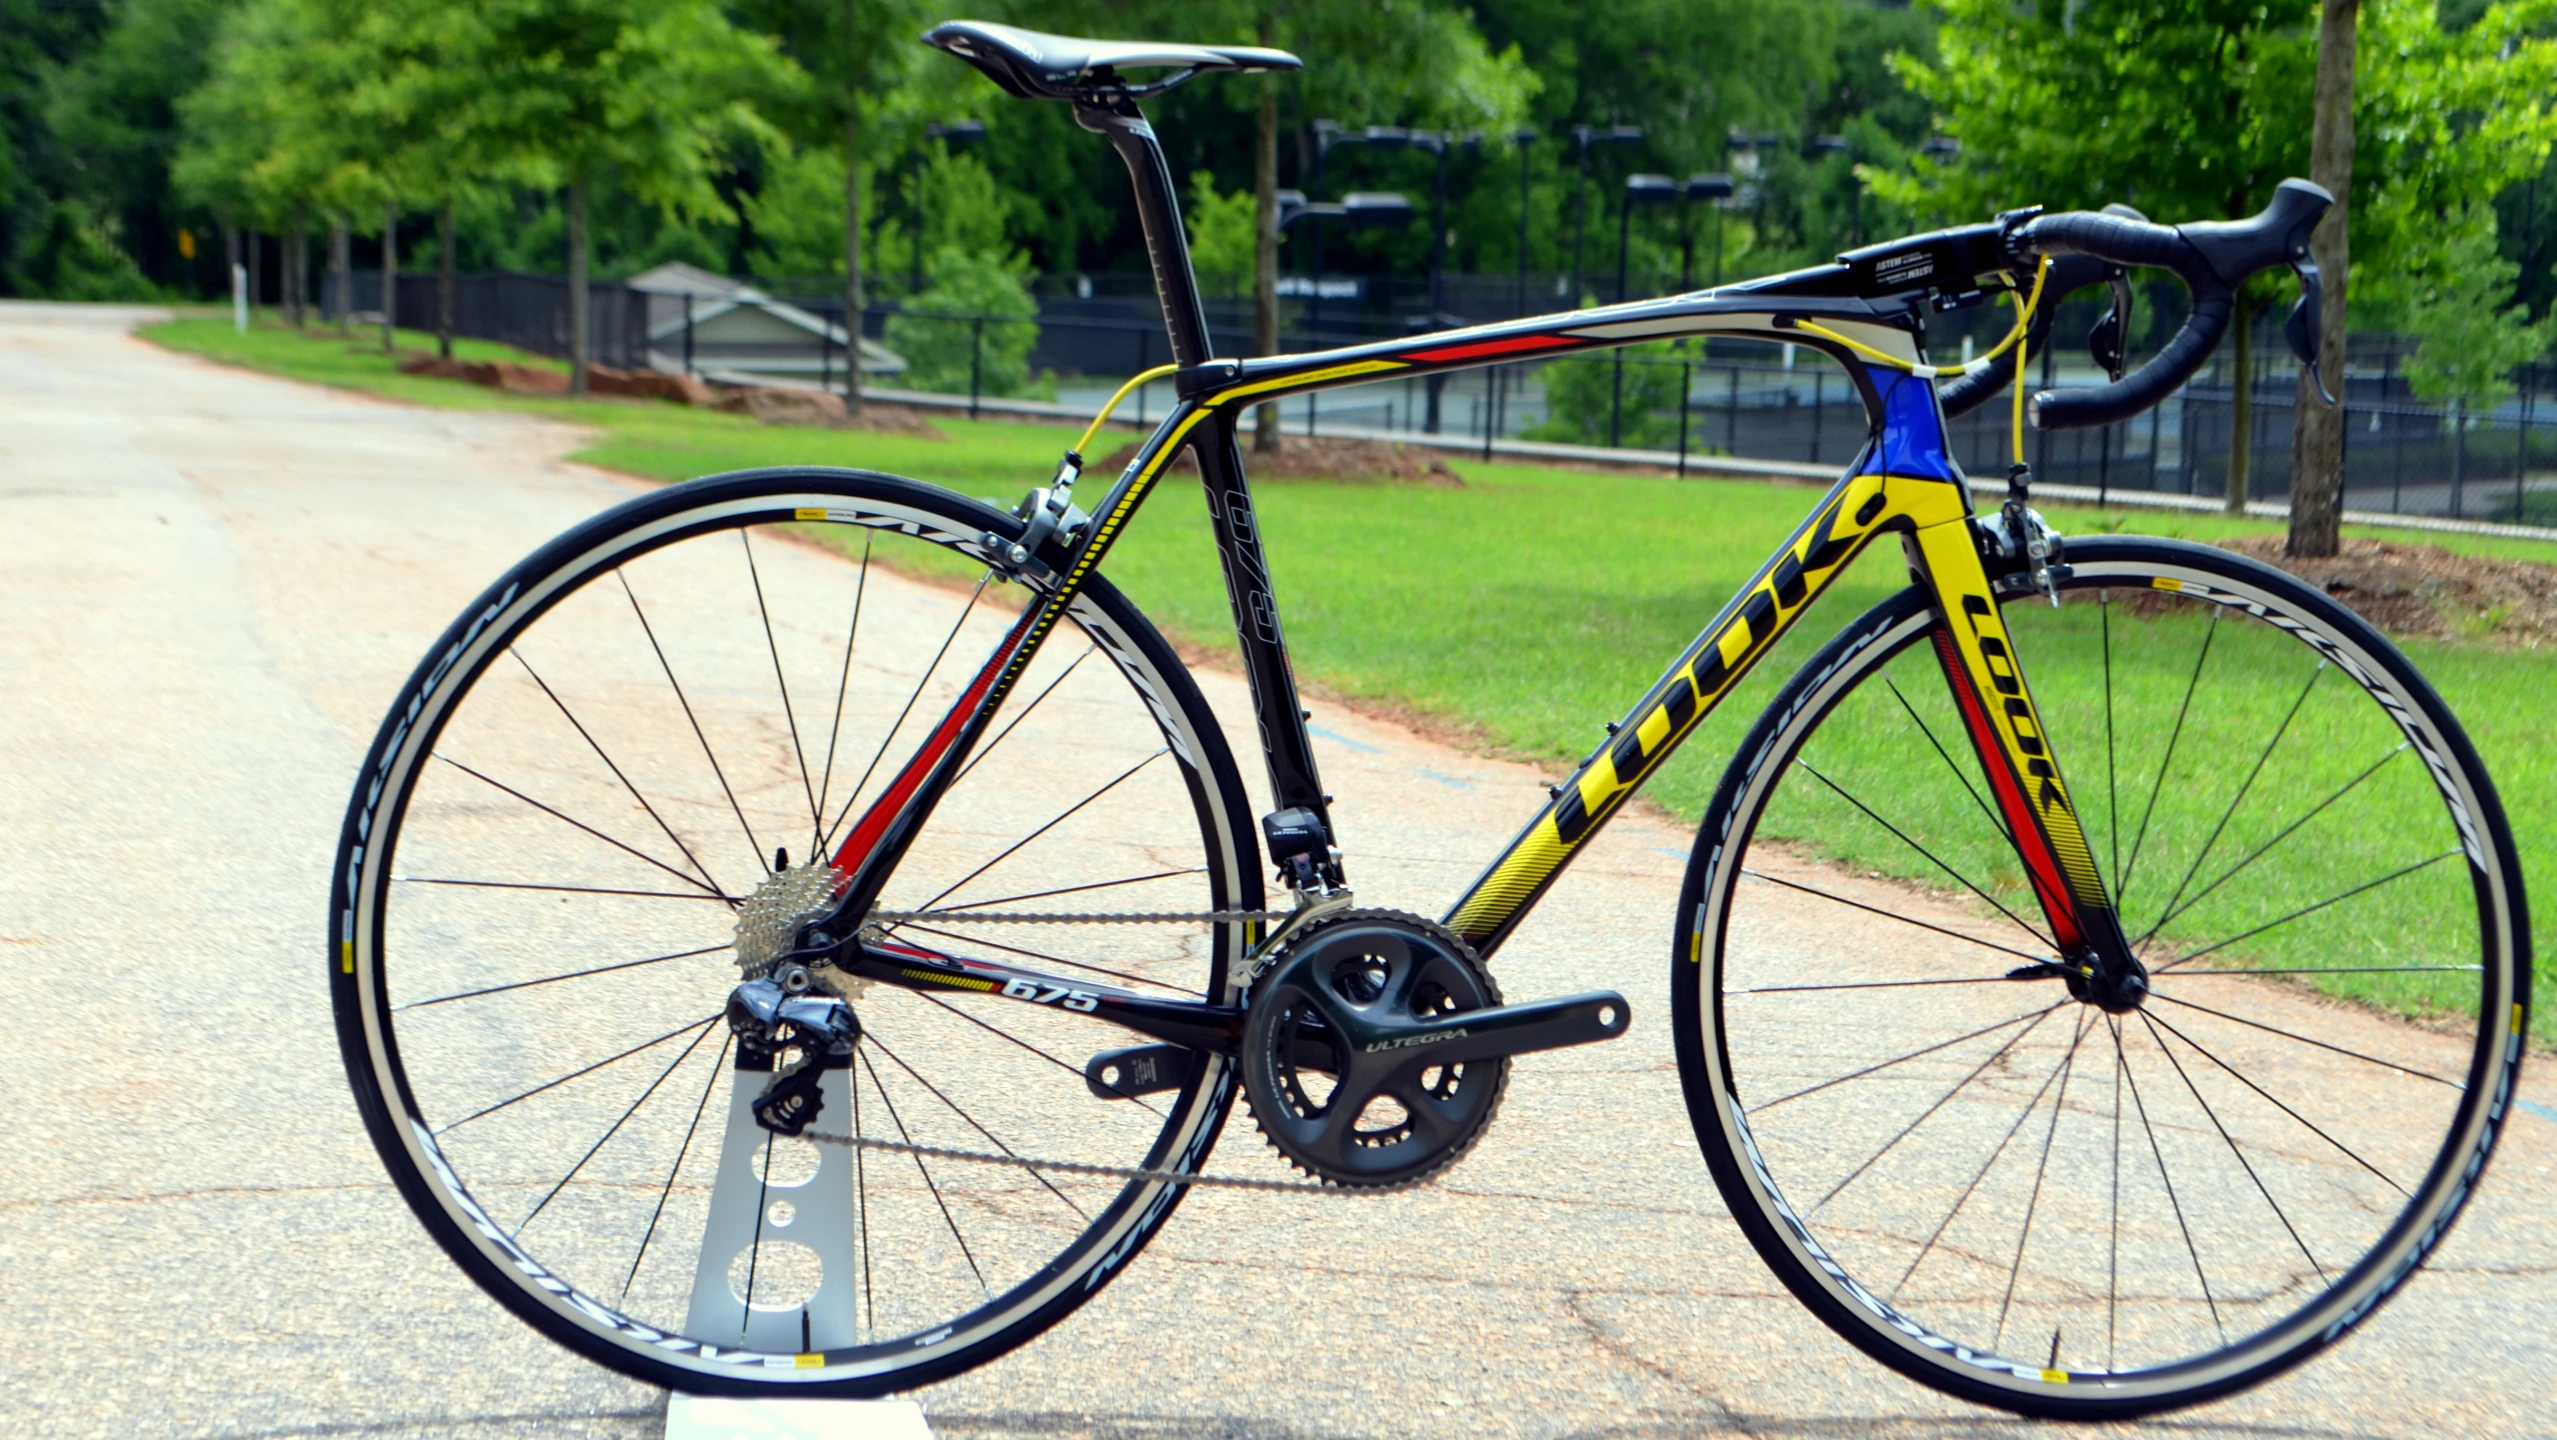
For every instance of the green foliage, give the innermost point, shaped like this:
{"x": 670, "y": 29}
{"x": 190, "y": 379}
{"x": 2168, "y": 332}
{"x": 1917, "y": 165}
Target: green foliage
{"x": 71, "y": 253}
{"x": 2472, "y": 340}
{"x": 946, "y": 345}
{"x": 1582, "y": 399}
{"x": 798, "y": 214}
{"x": 1221, "y": 235}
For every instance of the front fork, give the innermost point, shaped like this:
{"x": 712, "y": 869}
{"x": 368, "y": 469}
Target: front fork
{"x": 2015, "y": 751}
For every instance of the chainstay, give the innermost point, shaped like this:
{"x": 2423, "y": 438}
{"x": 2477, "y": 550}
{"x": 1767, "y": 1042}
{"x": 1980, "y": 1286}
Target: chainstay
{"x": 1022, "y": 917}
{"x": 1106, "y": 1172}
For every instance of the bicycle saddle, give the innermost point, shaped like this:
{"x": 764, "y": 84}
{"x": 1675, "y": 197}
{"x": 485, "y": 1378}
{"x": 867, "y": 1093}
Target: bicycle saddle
{"x": 1034, "y": 66}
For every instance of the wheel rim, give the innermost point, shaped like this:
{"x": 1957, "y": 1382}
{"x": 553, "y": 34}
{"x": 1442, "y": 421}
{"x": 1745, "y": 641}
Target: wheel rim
{"x": 1934, "y": 1147}
{"x": 618, "y": 732}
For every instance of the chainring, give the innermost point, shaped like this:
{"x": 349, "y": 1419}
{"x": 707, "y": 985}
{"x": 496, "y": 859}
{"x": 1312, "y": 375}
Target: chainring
{"x": 1376, "y": 1113}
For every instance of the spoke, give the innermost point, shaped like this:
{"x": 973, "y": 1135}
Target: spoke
{"x": 610, "y": 1131}
{"x": 973, "y": 1124}
{"x": 1903, "y": 919}
{"x": 597, "y": 747}
{"x": 762, "y": 866}
{"x": 1992, "y": 816}
{"x": 2304, "y": 1040}
{"x": 589, "y": 829}
{"x": 1941, "y": 1101}
{"x": 2172, "y": 1202}
{"x": 952, "y": 912}
{"x": 1002, "y": 1034}
{"x": 568, "y": 889}
{"x": 718, "y": 1063}
{"x": 1010, "y": 850}
{"x": 1014, "y": 723}
{"x": 2033, "y": 1203}
{"x": 2240, "y": 798}
{"x": 2334, "y": 970}
{"x": 2113, "y": 1260}
{"x": 1868, "y": 985}
{"x": 1986, "y": 1165}
{"x": 573, "y": 1074}
{"x": 861, "y": 1208}
{"x": 843, "y": 684}
{"x": 755, "y": 1251}
{"x": 790, "y": 717}
{"x": 2308, "y": 910}
{"x": 853, "y": 795}
{"x": 1930, "y": 855}
{"x": 1042, "y": 955}
{"x": 555, "y": 979}
{"x": 2211, "y": 632}
{"x": 2034, "y": 1015}
{"x": 926, "y": 1171}
{"x": 2314, "y": 812}
{"x": 2242, "y": 1161}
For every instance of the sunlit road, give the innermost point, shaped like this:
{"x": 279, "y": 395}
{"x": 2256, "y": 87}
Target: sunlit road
{"x": 210, "y": 584}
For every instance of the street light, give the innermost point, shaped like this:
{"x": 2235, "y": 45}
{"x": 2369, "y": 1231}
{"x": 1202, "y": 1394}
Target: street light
{"x": 955, "y": 135}
{"x": 1522, "y": 139}
{"x": 1639, "y": 190}
{"x": 1718, "y": 190}
{"x": 1584, "y": 136}
{"x": 1837, "y": 145}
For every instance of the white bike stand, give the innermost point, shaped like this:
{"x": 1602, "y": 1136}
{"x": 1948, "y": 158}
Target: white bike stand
{"x": 700, "y": 1417}
{"x": 815, "y": 1211}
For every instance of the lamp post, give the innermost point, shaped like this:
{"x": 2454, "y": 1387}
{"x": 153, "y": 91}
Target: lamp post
{"x": 1716, "y": 189}
{"x": 1837, "y": 145}
{"x": 1583, "y": 137}
{"x": 955, "y": 135}
{"x": 1639, "y": 190}
{"x": 1522, "y": 139}
{"x": 1359, "y": 210}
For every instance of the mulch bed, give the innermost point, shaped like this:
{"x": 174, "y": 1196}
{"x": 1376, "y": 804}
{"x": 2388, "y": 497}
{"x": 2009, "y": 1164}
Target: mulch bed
{"x": 1357, "y": 462}
{"x": 2427, "y": 591}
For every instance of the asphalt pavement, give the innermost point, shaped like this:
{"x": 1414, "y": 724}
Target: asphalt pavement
{"x": 211, "y": 583}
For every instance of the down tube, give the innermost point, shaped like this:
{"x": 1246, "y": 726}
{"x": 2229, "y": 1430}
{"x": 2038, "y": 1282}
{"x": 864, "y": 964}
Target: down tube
{"x": 1854, "y": 511}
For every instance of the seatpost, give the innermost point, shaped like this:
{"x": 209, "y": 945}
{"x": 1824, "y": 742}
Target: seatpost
{"x": 1158, "y": 208}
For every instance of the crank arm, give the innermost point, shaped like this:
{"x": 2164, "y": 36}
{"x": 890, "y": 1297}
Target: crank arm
{"x": 1194, "y": 1024}
{"x": 1508, "y": 1029}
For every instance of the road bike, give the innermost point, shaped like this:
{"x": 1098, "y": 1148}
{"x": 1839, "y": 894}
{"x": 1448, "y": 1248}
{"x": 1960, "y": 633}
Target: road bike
{"x": 2084, "y": 1047}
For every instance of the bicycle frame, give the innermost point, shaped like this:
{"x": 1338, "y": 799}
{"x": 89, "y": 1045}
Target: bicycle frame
{"x": 1902, "y": 483}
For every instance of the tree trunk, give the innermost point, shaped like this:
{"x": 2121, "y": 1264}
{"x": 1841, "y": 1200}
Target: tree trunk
{"x": 342, "y": 273}
{"x": 2242, "y": 408}
{"x": 445, "y": 286}
{"x": 1265, "y": 243}
{"x": 390, "y": 275}
{"x": 852, "y": 297}
{"x": 2317, "y": 430}
{"x": 297, "y": 268}
{"x": 577, "y": 297}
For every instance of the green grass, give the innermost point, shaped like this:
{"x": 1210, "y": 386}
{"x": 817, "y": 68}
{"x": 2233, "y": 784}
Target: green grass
{"x": 1524, "y": 608}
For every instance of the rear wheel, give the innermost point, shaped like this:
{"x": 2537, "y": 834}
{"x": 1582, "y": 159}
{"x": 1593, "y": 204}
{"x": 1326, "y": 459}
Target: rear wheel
{"x": 2023, "y": 1199}
{"x": 537, "y": 897}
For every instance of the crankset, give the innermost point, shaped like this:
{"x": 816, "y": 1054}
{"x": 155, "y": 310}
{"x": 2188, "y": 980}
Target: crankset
{"x": 1375, "y": 1047}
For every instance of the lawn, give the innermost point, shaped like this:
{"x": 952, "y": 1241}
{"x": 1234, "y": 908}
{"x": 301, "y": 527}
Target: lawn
{"x": 1521, "y": 610}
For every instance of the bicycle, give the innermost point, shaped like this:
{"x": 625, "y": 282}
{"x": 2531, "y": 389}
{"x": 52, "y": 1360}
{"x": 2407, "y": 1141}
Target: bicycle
{"x": 2270, "y": 976}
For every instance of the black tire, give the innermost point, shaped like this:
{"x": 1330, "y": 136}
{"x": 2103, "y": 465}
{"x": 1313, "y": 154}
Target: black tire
{"x": 1769, "y": 1001}
{"x": 397, "y": 942}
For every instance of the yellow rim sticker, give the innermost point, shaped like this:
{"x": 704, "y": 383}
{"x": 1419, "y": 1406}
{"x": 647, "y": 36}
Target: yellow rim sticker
{"x": 346, "y": 956}
{"x": 811, "y": 1362}
{"x": 807, "y": 513}
{"x": 2166, "y": 582}
{"x": 2055, "y": 1377}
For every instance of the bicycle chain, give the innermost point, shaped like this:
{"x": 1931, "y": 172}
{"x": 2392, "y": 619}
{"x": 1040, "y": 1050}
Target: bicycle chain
{"x": 1021, "y": 917}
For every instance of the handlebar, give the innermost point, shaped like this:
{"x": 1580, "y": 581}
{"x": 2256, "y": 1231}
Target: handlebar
{"x": 2212, "y": 259}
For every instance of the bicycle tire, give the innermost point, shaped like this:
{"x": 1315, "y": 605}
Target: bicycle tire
{"x": 1757, "y": 1033}
{"x": 393, "y": 931}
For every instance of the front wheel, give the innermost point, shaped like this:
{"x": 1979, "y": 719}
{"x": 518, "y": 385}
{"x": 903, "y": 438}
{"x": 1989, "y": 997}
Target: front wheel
{"x": 2022, "y": 1199}
{"x": 537, "y": 907}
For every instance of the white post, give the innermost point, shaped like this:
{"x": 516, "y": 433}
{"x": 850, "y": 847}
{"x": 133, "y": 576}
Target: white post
{"x": 240, "y": 297}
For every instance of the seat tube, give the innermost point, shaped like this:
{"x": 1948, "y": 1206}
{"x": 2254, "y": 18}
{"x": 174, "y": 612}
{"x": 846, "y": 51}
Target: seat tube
{"x": 2016, "y": 754}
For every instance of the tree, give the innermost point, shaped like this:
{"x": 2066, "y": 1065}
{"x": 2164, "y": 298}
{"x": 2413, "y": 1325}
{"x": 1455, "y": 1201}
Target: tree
{"x": 2188, "y": 109}
{"x": 567, "y": 89}
{"x": 857, "y": 53}
{"x": 2317, "y": 428}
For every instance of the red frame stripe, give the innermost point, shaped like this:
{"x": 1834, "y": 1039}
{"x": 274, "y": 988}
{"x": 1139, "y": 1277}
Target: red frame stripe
{"x": 884, "y": 811}
{"x": 2033, "y": 846}
{"x": 1511, "y": 346}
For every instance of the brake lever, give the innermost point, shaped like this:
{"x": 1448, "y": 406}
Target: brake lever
{"x": 2109, "y": 342}
{"x": 2303, "y": 330}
